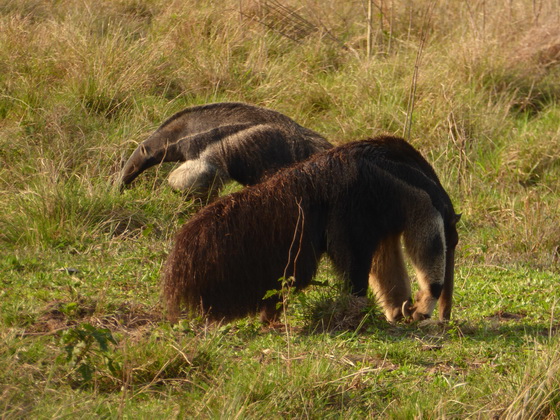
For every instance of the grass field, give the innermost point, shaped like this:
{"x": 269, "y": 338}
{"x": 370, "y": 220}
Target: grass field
{"x": 475, "y": 86}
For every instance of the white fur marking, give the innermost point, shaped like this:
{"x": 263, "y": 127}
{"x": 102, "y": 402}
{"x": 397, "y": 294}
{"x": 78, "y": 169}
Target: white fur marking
{"x": 191, "y": 175}
{"x": 215, "y": 148}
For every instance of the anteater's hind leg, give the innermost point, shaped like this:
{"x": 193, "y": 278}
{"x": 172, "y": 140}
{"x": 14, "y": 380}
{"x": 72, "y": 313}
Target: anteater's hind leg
{"x": 389, "y": 279}
{"x": 270, "y": 310}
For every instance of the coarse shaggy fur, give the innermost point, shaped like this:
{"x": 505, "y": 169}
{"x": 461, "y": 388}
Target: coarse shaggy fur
{"x": 343, "y": 203}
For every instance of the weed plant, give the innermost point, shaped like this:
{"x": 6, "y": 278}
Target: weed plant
{"x": 474, "y": 85}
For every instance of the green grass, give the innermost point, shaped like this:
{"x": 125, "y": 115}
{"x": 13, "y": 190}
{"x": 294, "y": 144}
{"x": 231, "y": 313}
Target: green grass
{"x": 81, "y": 83}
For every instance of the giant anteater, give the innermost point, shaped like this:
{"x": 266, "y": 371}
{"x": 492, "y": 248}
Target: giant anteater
{"x": 222, "y": 142}
{"x": 352, "y": 203}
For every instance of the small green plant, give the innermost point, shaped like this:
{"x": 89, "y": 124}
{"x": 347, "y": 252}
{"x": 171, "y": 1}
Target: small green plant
{"x": 286, "y": 289}
{"x": 69, "y": 309}
{"x": 87, "y": 349}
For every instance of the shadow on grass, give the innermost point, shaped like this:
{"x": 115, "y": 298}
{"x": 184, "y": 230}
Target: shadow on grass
{"x": 358, "y": 317}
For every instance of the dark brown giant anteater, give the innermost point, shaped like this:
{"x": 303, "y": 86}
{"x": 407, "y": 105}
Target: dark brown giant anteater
{"x": 352, "y": 203}
{"x": 222, "y": 142}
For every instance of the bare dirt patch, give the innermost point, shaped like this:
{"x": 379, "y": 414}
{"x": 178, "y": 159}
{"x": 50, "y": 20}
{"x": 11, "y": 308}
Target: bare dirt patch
{"x": 58, "y": 316}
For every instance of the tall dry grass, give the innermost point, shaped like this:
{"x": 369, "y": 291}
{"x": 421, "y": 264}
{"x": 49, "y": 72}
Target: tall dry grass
{"x": 82, "y": 83}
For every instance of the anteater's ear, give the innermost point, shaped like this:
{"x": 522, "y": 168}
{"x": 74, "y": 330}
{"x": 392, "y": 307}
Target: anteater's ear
{"x": 457, "y": 218}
